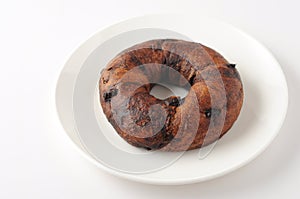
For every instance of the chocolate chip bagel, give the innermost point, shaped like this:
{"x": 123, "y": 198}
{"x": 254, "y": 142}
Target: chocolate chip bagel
{"x": 204, "y": 115}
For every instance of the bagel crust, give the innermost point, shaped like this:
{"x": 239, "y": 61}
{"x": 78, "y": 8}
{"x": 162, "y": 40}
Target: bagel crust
{"x": 202, "y": 117}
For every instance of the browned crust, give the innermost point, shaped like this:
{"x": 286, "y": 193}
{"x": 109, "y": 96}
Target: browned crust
{"x": 128, "y": 111}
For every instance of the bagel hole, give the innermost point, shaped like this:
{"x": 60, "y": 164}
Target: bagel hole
{"x": 165, "y": 90}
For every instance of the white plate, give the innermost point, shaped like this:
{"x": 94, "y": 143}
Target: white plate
{"x": 263, "y": 112}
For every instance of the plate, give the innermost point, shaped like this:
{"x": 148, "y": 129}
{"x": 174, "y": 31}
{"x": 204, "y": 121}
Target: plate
{"x": 262, "y": 115}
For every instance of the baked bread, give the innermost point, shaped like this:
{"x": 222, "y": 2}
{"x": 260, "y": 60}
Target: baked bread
{"x": 207, "y": 112}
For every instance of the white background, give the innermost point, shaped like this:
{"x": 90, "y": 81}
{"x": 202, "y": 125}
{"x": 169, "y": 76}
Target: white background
{"x": 38, "y": 161}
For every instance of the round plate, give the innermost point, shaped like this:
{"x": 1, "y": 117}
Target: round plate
{"x": 263, "y": 112}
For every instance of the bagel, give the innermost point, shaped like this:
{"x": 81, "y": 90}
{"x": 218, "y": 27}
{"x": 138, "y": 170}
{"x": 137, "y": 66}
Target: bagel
{"x": 204, "y": 115}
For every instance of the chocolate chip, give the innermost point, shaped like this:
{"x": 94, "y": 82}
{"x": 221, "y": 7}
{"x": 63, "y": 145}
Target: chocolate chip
{"x": 212, "y": 111}
{"x": 192, "y": 79}
{"x": 105, "y": 81}
{"x": 208, "y": 113}
{"x": 147, "y": 148}
{"x": 112, "y": 92}
{"x": 175, "y": 101}
{"x": 230, "y": 65}
{"x": 164, "y": 61}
